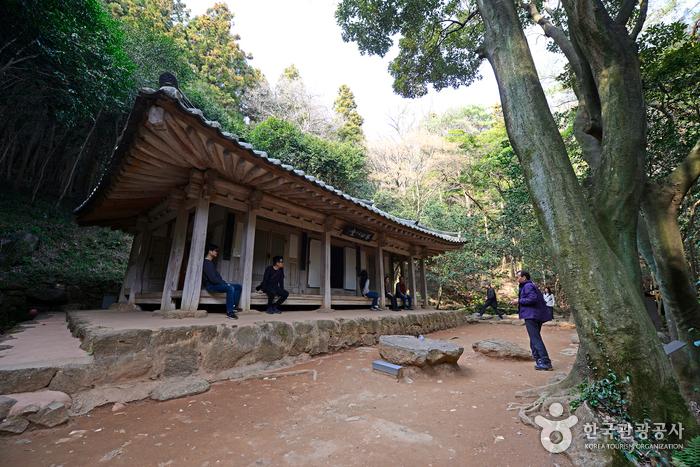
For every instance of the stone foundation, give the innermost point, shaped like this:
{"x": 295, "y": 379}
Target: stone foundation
{"x": 205, "y": 350}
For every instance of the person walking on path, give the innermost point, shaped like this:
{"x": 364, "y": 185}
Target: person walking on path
{"x": 364, "y": 286}
{"x": 214, "y": 283}
{"x": 549, "y": 300}
{"x": 273, "y": 285}
{"x": 532, "y": 309}
{"x": 491, "y": 301}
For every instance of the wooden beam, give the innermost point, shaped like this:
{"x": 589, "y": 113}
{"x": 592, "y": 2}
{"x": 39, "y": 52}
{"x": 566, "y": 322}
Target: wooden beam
{"x": 142, "y": 240}
{"x": 326, "y": 263}
{"x": 380, "y": 270}
{"x": 184, "y": 145}
{"x": 424, "y": 283}
{"x": 193, "y": 276}
{"x": 133, "y": 254}
{"x": 229, "y": 202}
{"x": 412, "y": 277}
{"x": 177, "y": 252}
{"x": 247, "y": 257}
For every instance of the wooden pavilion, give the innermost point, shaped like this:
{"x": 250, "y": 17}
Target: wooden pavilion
{"x": 177, "y": 181}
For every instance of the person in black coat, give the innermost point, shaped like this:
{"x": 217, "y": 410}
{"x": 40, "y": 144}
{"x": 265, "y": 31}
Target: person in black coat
{"x": 491, "y": 301}
{"x": 273, "y": 285}
{"x": 213, "y": 282}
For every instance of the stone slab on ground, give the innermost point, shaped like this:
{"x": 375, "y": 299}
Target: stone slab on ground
{"x": 499, "y": 348}
{"x": 53, "y": 414}
{"x": 409, "y": 350}
{"x": 175, "y": 388}
{"x": 15, "y": 424}
{"x": 33, "y": 402}
{"x": 85, "y": 401}
{"x": 6, "y": 404}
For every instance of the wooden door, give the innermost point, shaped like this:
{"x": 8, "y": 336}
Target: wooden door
{"x": 314, "y": 269}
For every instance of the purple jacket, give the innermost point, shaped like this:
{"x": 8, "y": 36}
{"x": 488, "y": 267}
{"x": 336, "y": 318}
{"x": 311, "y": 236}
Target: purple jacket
{"x": 531, "y": 303}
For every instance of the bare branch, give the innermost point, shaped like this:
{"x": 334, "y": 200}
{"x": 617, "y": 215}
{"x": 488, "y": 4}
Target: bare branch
{"x": 446, "y": 31}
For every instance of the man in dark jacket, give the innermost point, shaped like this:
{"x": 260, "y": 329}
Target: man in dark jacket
{"x": 213, "y": 282}
{"x": 491, "y": 301}
{"x": 532, "y": 309}
{"x": 273, "y": 285}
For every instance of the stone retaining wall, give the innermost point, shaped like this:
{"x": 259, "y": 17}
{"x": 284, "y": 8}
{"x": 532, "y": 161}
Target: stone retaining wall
{"x": 206, "y": 350}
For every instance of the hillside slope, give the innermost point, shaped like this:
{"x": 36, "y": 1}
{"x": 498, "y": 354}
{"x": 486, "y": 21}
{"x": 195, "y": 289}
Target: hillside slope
{"x": 48, "y": 262}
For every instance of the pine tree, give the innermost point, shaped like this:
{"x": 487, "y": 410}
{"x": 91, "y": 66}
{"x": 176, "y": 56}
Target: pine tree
{"x": 351, "y": 121}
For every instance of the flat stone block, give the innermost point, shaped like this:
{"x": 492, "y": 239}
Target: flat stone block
{"x": 25, "y": 379}
{"x": 409, "y": 350}
{"x": 179, "y": 314}
{"x": 498, "y": 348}
{"x": 14, "y": 424}
{"x": 176, "y": 388}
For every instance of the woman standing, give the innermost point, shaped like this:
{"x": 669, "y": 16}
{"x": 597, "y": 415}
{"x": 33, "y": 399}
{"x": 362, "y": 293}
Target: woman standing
{"x": 549, "y": 300}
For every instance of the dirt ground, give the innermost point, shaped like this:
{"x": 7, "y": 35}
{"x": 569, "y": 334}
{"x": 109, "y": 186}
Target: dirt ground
{"x": 350, "y": 416}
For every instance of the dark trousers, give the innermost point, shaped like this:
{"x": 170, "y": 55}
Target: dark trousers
{"x": 233, "y": 294}
{"x": 539, "y": 351}
{"x": 392, "y": 299}
{"x": 490, "y": 303}
{"x": 276, "y": 292}
{"x": 406, "y": 300}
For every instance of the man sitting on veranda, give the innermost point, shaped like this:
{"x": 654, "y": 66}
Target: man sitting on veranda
{"x": 402, "y": 294}
{"x": 213, "y": 282}
{"x": 273, "y": 285}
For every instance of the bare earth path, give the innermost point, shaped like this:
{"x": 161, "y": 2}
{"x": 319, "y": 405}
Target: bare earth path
{"x": 349, "y": 416}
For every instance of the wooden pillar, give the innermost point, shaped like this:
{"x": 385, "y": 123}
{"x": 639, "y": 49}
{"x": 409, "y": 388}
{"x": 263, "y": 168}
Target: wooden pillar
{"x": 326, "y": 264}
{"x": 424, "y": 282}
{"x": 177, "y": 252}
{"x": 380, "y": 270}
{"x": 412, "y": 277}
{"x": 248, "y": 249}
{"x": 141, "y": 242}
{"x": 126, "y": 283}
{"x": 193, "y": 277}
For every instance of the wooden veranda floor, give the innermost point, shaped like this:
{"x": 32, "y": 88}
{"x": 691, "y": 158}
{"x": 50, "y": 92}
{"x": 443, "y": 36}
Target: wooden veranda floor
{"x": 153, "y": 298}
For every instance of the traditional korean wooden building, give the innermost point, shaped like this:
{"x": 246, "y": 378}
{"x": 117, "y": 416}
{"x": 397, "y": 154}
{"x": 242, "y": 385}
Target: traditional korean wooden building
{"x": 177, "y": 181}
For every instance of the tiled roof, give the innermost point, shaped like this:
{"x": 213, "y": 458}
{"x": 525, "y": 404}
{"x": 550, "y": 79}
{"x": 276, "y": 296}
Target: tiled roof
{"x": 175, "y": 95}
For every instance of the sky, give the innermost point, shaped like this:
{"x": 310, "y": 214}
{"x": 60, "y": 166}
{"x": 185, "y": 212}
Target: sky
{"x": 279, "y": 33}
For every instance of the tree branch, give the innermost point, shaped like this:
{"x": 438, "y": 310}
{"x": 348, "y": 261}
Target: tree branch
{"x": 626, "y": 10}
{"x": 586, "y": 91}
{"x": 684, "y": 176}
{"x": 643, "y": 7}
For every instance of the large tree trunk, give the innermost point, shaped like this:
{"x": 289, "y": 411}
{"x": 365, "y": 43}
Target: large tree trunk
{"x": 616, "y": 333}
{"x": 675, "y": 279}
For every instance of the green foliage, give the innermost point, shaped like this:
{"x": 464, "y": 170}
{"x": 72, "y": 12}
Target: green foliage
{"x": 64, "y": 59}
{"x": 206, "y": 98}
{"x": 606, "y": 395}
{"x": 346, "y": 108}
{"x": 339, "y": 164}
{"x": 216, "y": 57}
{"x": 67, "y": 253}
{"x": 670, "y": 65}
{"x": 438, "y": 43}
{"x": 689, "y": 456}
